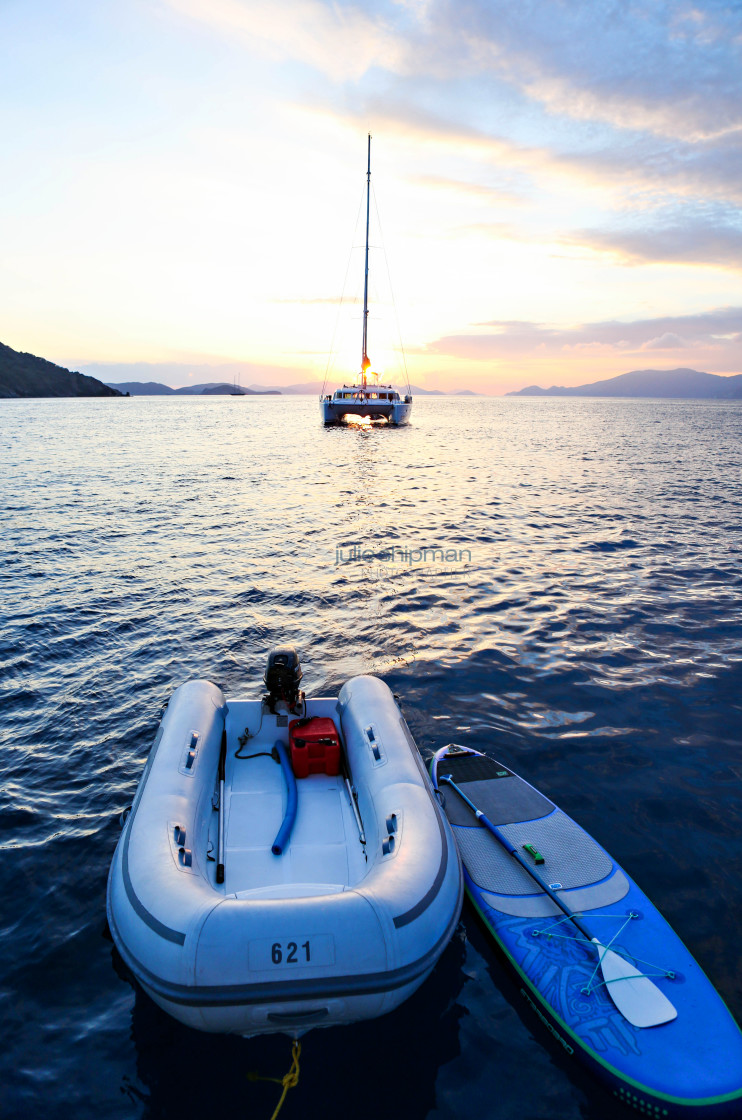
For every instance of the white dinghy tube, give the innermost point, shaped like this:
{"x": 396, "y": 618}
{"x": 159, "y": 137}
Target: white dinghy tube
{"x": 344, "y": 924}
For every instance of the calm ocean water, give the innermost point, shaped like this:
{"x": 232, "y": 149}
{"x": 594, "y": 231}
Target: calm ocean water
{"x": 583, "y": 623}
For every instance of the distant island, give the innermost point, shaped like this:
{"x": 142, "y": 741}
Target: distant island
{"x": 417, "y": 391}
{"x": 219, "y": 388}
{"x": 238, "y": 391}
{"x": 688, "y": 384}
{"x": 156, "y": 389}
{"x": 25, "y": 375}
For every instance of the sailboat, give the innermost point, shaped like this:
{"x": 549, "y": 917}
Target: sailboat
{"x": 366, "y": 397}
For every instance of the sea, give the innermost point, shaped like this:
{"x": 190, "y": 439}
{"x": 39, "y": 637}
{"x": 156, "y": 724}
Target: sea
{"x": 556, "y": 582}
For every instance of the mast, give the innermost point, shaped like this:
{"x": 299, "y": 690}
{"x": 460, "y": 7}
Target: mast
{"x": 365, "y": 363}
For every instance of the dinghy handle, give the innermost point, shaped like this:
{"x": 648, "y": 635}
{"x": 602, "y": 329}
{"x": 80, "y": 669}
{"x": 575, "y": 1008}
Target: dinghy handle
{"x": 533, "y": 851}
{"x": 356, "y": 811}
{"x": 220, "y": 842}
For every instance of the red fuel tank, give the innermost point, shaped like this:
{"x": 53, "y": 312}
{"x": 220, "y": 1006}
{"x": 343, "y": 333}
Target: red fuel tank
{"x": 315, "y": 746}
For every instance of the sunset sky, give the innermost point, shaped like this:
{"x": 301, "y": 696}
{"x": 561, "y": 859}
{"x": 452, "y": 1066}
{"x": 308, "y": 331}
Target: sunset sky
{"x": 558, "y": 184}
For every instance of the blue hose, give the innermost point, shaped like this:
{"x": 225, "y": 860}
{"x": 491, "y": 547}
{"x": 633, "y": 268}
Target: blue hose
{"x": 284, "y": 831}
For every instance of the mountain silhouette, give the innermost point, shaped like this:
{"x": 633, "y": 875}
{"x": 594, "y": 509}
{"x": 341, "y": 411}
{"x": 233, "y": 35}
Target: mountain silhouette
{"x": 678, "y": 383}
{"x": 25, "y": 375}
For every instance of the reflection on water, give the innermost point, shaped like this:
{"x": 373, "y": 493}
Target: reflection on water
{"x": 405, "y": 1050}
{"x": 556, "y": 582}
{"x": 365, "y": 423}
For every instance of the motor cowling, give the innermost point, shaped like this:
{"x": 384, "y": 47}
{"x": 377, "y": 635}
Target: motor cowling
{"x": 283, "y": 676}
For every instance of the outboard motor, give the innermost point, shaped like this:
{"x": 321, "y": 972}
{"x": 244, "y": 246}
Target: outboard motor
{"x": 282, "y": 678}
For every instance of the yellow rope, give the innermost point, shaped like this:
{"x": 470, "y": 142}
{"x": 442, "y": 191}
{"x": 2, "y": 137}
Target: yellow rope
{"x": 289, "y": 1080}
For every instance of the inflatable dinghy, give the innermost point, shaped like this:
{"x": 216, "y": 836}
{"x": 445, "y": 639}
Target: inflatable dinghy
{"x": 285, "y": 864}
{"x": 600, "y": 966}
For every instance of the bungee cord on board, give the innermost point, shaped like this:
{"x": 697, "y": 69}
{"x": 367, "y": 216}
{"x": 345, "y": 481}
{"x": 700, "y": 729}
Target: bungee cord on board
{"x": 581, "y": 940}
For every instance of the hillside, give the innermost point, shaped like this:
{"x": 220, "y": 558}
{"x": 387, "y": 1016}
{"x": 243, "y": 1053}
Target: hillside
{"x": 25, "y": 375}
{"x": 688, "y": 384}
{"x": 229, "y": 390}
{"x": 142, "y": 388}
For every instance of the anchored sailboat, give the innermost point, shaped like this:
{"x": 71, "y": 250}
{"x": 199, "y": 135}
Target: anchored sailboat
{"x": 366, "y": 398}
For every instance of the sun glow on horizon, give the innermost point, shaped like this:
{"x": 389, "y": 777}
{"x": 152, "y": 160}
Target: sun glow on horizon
{"x": 202, "y": 211}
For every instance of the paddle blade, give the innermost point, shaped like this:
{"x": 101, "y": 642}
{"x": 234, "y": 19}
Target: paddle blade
{"x": 639, "y": 1000}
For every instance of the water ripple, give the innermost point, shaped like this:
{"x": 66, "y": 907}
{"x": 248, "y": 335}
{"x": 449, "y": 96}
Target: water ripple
{"x": 555, "y": 582}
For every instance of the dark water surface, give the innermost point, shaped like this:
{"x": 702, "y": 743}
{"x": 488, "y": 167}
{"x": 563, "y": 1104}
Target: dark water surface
{"x": 584, "y": 626}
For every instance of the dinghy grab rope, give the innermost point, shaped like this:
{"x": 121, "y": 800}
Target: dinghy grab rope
{"x": 667, "y": 973}
{"x": 289, "y": 1080}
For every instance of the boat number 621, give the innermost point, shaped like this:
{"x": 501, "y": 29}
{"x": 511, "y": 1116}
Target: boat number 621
{"x": 291, "y": 953}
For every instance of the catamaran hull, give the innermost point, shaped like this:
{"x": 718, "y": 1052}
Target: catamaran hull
{"x": 397, "y": 413}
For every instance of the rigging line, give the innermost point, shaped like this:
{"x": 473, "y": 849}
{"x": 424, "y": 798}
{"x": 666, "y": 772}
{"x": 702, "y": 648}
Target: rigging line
{"x": 391, "y": 289}
{"x": 619, "y": 931}
{"x": 626, "y": 956}
{"x": 660, "y": 969}
{"x": 593, "y": 917}
{"x": 603, "y": 949}
{"x": 330, "y": 357}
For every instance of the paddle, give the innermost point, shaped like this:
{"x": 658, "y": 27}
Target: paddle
{"x": 639, "y": 1000}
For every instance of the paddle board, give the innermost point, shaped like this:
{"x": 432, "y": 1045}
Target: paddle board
{"x": 690, "y": 1062}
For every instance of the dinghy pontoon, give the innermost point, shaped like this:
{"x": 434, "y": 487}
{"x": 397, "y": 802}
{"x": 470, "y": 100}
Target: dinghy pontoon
{"x": 235, "y": 917}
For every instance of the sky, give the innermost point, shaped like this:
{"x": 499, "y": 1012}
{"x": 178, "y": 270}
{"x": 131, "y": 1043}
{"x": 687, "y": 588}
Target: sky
{"x": 556, "y": 188}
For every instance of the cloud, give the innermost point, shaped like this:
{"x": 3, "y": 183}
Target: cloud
{"x": 635, "y": 97}
{"x": 716, "y": 333}
{"x": 662, "y": 67}
{"x": 335, "y": 301}
{"x": 632, "y": 172}
{"x": 647, "y": 169}
{"x": 692, "y": 241}
{"x": 477, "y": 190}
{"x": 342, "y": 41}
{"x": 667, "y": 341}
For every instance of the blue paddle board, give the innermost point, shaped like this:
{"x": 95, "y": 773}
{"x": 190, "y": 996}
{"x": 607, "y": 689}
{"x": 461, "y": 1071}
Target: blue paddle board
{"x": 688, "y": 1064}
